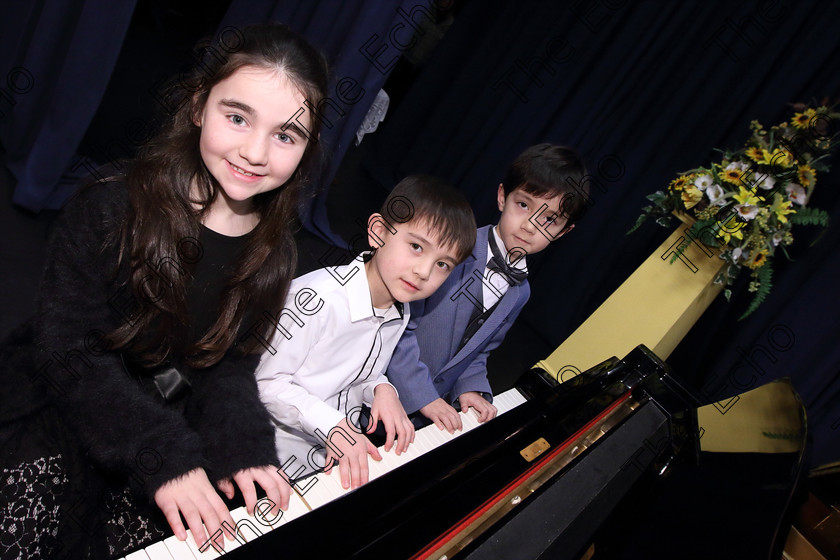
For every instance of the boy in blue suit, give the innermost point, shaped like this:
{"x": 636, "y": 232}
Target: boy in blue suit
{"x": 441, "y": 360}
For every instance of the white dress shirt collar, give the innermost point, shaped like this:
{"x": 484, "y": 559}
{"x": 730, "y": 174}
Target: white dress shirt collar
{"x": 358, "y": 295}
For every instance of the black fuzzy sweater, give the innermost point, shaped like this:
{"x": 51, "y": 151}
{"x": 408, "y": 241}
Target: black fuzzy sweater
{"x": 124, "y": 428}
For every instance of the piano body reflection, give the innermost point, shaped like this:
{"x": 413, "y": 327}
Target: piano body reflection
{"x": 538, "y": 480}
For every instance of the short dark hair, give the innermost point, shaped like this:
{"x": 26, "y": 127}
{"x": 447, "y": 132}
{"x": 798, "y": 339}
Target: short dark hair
{"x": 431, "y": 200}
{"x": 547, "y": 170}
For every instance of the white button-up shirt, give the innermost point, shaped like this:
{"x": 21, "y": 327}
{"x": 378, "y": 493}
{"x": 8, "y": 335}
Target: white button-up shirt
{"x": 329, "y": 352}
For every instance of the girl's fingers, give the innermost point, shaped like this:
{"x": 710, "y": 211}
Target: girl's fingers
{"x": 226, "y": 487}
{"x": 194, "y": 522}
{"x": 173, "y": 517}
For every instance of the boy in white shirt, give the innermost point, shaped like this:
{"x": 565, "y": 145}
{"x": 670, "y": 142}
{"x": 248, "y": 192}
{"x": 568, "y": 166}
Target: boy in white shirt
{"x": 339, "y": 327}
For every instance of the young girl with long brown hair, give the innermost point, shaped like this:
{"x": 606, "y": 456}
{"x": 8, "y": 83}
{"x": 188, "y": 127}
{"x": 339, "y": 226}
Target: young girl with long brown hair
{"x": 140, "y": 380}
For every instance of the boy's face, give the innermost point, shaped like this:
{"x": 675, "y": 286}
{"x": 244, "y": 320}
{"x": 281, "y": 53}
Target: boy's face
{"x": 529, "y": 222}
{"x": 408, "y": 265}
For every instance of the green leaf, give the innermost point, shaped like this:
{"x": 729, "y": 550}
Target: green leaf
{"x": 680, "y": 250}
{"x": 664, "y": 221}
{"x": 764, "y": 277}
{"x": 809, "y": 217}
{"x": 659, "y": 198}
{"x": 639, "y": 221}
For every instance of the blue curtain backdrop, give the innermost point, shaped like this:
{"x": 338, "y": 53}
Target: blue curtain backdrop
{"x": 643, "y": 90}
{"x": 362, "y": 40}
{"x": 50, "y": 87}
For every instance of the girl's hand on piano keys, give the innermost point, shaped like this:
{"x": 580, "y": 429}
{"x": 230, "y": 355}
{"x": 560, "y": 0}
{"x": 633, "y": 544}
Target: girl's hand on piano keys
{"x": 486, "y": 411}
{"x": 443, "y": 415}
{"x": 272, "y": 479}
{"x": 387, "y": 407}
{"x": 193, "y": 496}
{"x": 350, "y": 450}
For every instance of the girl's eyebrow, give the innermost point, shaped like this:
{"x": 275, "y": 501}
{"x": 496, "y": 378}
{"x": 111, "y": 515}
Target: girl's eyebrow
{"x": 294, "y": 128}
{"x": 233, "y": 104}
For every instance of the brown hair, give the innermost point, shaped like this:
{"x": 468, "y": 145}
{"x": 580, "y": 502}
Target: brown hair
{"x": 547, "y": 170}
{"x": 164, "y": 211}
{"x": 432, "y": 201}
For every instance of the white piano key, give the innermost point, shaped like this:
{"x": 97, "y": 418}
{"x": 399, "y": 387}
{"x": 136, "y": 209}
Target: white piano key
{"x": 208, "y": 552}
{"x": 139, "y": 555}
{"x": 440, "y": 437}
{"x": 296, "y": 509}
{"x": 376, "y": 468}
{"x": 421, "y": 442}
{"x": 390, "y": 461}
{"x": 248, "y": 528}
{"x": 411, "y": 453}
{"x": 318, "y": 495}
{"x": 158, "y": 551}
{"x": 331, "y": 485}
{"x": 266, "y": 521}
{"x": 509, "y": 400}
{"x": 179, "y": 550}
{"x": 469, "y": 421}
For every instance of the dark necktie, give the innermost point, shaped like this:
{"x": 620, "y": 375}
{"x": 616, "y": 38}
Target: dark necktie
{"x": 498, "y": 263}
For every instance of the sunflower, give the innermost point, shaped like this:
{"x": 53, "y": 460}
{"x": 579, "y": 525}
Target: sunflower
{"x": 803, "y": 119}
{"x": 757, "y": 259}
{"x": 679, "y": 183}
{"x": 730, "y": 176}
{"x": 807, "y": 176}
{"x": 756, "y": 154}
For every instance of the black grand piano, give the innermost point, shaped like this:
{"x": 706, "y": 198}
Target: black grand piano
{"x": 536, "y": 482}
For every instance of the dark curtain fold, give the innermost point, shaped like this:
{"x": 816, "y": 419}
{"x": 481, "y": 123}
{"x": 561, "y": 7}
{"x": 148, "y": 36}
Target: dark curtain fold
{"x": 643, "y": 90}
{"x": 51, "y": 87}
{"x": 361, "y": 39}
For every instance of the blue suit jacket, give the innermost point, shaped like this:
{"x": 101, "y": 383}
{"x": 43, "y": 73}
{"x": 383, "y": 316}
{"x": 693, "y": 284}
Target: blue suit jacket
{"x": 427, "y": 363}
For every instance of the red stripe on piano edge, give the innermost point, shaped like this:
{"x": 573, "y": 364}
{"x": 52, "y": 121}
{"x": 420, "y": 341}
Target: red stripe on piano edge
{"x": 502, "y": 494}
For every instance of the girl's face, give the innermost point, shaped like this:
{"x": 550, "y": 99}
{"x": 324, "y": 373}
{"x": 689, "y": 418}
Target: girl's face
{"x": 254, "y": 130}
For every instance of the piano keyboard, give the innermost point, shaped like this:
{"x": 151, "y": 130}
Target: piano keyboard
{"x": 324, "y": 489}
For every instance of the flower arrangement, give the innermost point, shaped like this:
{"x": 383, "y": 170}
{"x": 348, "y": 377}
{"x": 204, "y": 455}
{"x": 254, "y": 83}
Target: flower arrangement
{"x": 748, "y": 202}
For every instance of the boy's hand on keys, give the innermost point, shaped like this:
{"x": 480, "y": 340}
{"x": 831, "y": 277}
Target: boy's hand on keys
{"x": 193, "y": 496}
{"x": 272, "y": 479}
{"x": 349, "y": 449}
{"x": 443, "y": 415}
{"x": 486, "y": 411}
{"x": 387, "y": 407}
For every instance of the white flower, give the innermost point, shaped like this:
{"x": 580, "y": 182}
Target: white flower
{"x": 703, "y": 182}
{"x": 715, "y": 194}
{"x": 746, "y": 211}
{"x": 777, "y": 238}
{"x": 736, "y": 254}
{"x": 768, "y": 183}
{"x": 739, "y": 165}
{"x": 796, "y": 193}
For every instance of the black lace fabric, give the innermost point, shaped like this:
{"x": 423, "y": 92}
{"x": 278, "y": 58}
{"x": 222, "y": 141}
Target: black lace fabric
{"x": 29, "y": 508}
